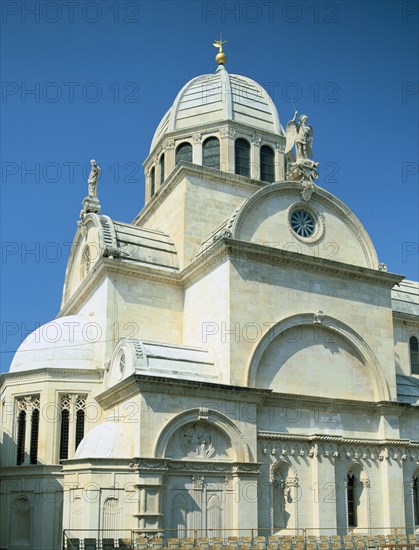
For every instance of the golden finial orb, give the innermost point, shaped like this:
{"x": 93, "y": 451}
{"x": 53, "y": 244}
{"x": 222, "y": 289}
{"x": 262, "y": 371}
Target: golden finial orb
{"x": 221, "y": 57}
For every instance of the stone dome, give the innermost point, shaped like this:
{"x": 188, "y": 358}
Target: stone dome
{"x": 218, "y": 97}
{"x": 108, "y": 440}
{"x": 65, "y": 343}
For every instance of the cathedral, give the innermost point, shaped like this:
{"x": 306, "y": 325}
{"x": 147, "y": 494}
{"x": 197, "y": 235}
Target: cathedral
{"x": 235, "y": 362}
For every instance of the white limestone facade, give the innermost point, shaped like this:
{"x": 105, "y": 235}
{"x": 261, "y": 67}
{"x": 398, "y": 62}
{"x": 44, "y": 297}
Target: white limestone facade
{"x": 235, "y": 358}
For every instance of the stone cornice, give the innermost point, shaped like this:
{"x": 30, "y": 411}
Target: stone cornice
{"x": 110, "y": 266}
{"x": 319, "y": 438}
{"x": 239, "y": 250}
{"x": 52, "y": 374}
{"x": 217, "y": 253}
{"x": 188, "y": 169}
{"x": 139, "y": 384}
{"x": 309, "y": 402}
{"x": 25, "y": 473}
{"x": 408, "y": 317}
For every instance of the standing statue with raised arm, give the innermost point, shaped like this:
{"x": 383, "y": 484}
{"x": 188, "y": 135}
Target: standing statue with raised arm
{"x": 300, "y": 135}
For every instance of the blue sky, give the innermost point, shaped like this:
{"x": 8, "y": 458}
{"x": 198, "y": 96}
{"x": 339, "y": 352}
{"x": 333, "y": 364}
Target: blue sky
{"x": 104, "y": 73}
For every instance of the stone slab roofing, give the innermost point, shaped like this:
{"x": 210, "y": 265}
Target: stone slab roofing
{"x": 407, "y": 389}
{"x": 405, "y": 298}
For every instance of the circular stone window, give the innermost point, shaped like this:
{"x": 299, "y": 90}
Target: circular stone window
{"x": 303, "y": 223}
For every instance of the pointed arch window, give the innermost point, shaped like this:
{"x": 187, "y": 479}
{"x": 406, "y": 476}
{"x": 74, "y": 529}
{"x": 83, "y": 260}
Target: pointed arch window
{"x": 211, "y": 153}
{"x": 161, "y": 163}
{"x": 21, "y": 434}
{"x": 152, "y": 181}
{"x": 33, "y": 453}
{"x": 27, "y": 429}
{"x": 242, "y": 157}
{"x": 267, "y": 164}
{"x": 73, "y": 412}
{"x": 414, "y": 355}
{"x": 184, "y": 152}
{"x": 416, "y": 498}
{"x": 351, "y": 500}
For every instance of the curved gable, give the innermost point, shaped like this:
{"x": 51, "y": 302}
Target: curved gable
{"x": 267, "y": 218}
{"x": 99, "y": 236}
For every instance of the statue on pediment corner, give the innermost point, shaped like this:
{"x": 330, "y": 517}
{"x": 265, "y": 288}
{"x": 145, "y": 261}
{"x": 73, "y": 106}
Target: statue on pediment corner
{"x": 300, "y": 135}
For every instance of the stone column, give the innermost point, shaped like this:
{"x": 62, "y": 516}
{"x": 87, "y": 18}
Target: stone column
{"x": 279, "y": 161}
{"x": 169, "y": 156}
{"x": 255, "y": 157}
{"x": 227, "y": 149}
{"x": 197, "y": 148}
{"x": 156, "y": 171}
{"x": 72, "y": 426}
{"x": 28, "y": 432}
{"x": 146, "y": 185}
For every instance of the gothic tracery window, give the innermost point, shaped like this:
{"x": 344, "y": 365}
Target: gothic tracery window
{"x": 414, "y": 355}
{"x": 27, "y": 429}
{"x": 73, "y": 412}
{"x": 211, "y": 153}
{"x": 242, "y": 157}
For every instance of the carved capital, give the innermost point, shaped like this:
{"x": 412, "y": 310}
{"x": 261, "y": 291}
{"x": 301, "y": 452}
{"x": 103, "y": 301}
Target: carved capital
{"x": 256, "y": 140}
{"x": 197, "y": 137}
{"x": 169, "y": 143}
{"x": 226, "y": 131}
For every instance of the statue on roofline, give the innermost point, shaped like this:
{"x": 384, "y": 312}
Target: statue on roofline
{"x": 300, "y": 134}
{"x": 93, "y": 179}
{"x": 304, "y": 169}
{"x": 91, "y": 202}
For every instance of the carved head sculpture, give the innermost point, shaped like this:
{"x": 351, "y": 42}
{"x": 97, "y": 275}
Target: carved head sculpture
{"x": 303, "y": 118}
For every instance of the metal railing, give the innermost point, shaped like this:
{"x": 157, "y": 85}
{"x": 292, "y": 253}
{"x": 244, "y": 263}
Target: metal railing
{"x": 205, "y": 539}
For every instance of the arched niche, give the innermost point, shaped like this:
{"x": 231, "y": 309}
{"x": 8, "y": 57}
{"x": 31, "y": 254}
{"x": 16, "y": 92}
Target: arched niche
{"x": 202, "y": 434}
{"x": 199, "y": 441}
{"x": 356, "y": 497}
{"x": 317, "y": 355}
{"x": 284, "y": 496}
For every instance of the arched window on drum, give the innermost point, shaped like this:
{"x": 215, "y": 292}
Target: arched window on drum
{"x": 161, "y": 165}
{"x": 267, "y": 164}
{"x": 152, "y": 181}
{"x": 183, "y": 152}
{"x": 211, "y": 153}
{"x": 242, "y": 157}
